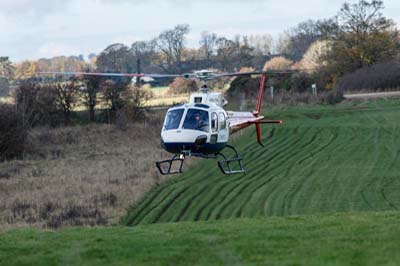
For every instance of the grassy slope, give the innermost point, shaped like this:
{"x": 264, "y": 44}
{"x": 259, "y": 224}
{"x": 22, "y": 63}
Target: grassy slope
{"x": 341, "y": 239}
{"x": 323, "y": 159}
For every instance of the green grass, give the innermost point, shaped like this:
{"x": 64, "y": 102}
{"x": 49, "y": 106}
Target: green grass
{"x": 322, "y": 159}
{"x": 341, "y": 239}
{"x": 324, "y": 191}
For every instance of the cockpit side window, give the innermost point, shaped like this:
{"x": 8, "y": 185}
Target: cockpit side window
{"x": 222, "y": 121}
{"x": 173, "y": 119}
{"x": 196, "y": 120}
{"x": 214, "y": 122}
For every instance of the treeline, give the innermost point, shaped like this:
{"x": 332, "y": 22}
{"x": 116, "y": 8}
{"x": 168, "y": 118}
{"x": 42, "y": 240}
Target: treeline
{"x": 54, "y": 103}
{"x": 357, "y": 49}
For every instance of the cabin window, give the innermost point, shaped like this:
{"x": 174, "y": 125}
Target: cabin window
{"x": 173, "y": 119}
{"x": 222, "y": 121}
{"x": 196, "y": 120}
{"x": 214, "y": 122}
{"x": 198, "y": 99}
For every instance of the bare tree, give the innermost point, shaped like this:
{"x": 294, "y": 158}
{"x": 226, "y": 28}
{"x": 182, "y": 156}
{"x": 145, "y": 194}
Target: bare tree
{"x": 67, "y": 97}
{"x": 90, "y": 90}
{"x": 295, "y": 41}
{"x": 226, "y": 50}
{"x": 145, "y": 52}
{"x": 112, "y": 93}
{"x": 262, "y": 44}
{"x": 208, "y": 43}
{"x": 172, "y": 43}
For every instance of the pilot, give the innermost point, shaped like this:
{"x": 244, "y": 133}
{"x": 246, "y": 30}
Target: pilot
{"x": 199, "y": 122}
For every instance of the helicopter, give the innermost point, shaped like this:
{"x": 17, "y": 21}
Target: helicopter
{"x": 202, "y": 127}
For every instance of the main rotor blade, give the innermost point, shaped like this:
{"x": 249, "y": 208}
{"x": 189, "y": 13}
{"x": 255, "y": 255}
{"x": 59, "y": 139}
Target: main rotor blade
{"x": 194, "y": 75}
{"x": 252, "y": 73}
{"x": 111, "y": 74}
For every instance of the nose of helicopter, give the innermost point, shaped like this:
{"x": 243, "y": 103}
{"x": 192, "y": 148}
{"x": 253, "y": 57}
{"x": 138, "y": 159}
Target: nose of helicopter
{"x": 176, "y": 141}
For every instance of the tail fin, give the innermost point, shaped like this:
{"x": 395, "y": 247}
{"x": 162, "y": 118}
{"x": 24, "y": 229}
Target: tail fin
{"x": 260, "y": 95}
{"x": 258, "y": 130}
{"x": 258, "y": 107}
{"x": 256, "y": 113}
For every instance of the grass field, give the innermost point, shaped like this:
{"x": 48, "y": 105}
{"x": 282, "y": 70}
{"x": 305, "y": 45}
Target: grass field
{"x": 161, "y": 97}
{"x": 81, "y": 175}
{"x": 322, "y": 159}
{"x": 341, "y": 239}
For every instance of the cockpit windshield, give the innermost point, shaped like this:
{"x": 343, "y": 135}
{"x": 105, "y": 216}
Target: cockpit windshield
{"x": 173, "y": 119}
{"x": 197, "y": 120}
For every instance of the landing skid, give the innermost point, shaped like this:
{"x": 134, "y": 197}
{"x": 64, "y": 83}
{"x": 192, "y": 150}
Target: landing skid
{"x": 226, "y": 165}
{"x": 169, "y": 170}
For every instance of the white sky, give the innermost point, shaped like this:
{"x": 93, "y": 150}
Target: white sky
{"x": 33, "y": 29}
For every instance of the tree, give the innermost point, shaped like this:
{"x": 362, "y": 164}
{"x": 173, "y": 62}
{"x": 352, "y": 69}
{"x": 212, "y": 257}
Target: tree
{"x": 6, "y": 72}
{"x": 313, "y": 59}
{"x": 171, "y": 44}
{"x": 66, "y": 97}
{"x": 36, "y": 103}
{"x": 26, "y": 70}
{"x": 134, "y": 99}
{"x": 90, "y": 90}
{"x": 262, "y": 44}
{"x": 112, "y": 93}
{"x": 296, "y": 41}
{"x": 226, "y": 50}
{"x": 362, "y": 36}
{"x": 244, "y": 55}
{"x": 145, "y": 53}
{"x": 6, "y": 67}
{"x": 208, "y": 43}
{"x": 115, "y": 58}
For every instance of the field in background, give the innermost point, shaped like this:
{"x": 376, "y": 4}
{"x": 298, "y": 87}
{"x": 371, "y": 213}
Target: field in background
{"x": 83, "y": 175}
{"x": 161, "y": 97}
{"x": 322, "y": 159}
{"x": 341, "y": 239}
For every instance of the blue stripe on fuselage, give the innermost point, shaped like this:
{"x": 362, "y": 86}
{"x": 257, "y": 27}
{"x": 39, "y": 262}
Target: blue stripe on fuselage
{"x": 178, "y": 147}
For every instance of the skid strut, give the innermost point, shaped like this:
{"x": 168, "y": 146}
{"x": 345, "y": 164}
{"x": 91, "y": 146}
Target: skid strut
{"x": 228, "y": 166}
{"x": 166, "y": 167}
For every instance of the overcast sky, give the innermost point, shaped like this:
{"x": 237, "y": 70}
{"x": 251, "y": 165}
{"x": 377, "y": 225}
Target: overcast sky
{"x": 33, "y": 29}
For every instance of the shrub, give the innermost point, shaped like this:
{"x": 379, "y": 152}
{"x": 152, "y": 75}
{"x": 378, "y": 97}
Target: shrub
{"x": 381, "y": 76}
{"x": 181, "y": 85}
{"x": 295, "y": 98}
{"x": 37, "y": 104}
{"x": 278, "y": 63}
{"x": 300, "y": 82}
{"x": 244, "y": 85}
{"x": 12, "y": 133}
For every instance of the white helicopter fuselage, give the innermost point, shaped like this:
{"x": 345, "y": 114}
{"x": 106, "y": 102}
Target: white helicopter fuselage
{"x": 201, "y": 126}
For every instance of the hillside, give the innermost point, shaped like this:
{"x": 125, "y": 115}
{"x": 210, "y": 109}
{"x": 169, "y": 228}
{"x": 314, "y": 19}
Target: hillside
{"x": 322, "y": 159}
{"x": 341, "y": 239}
